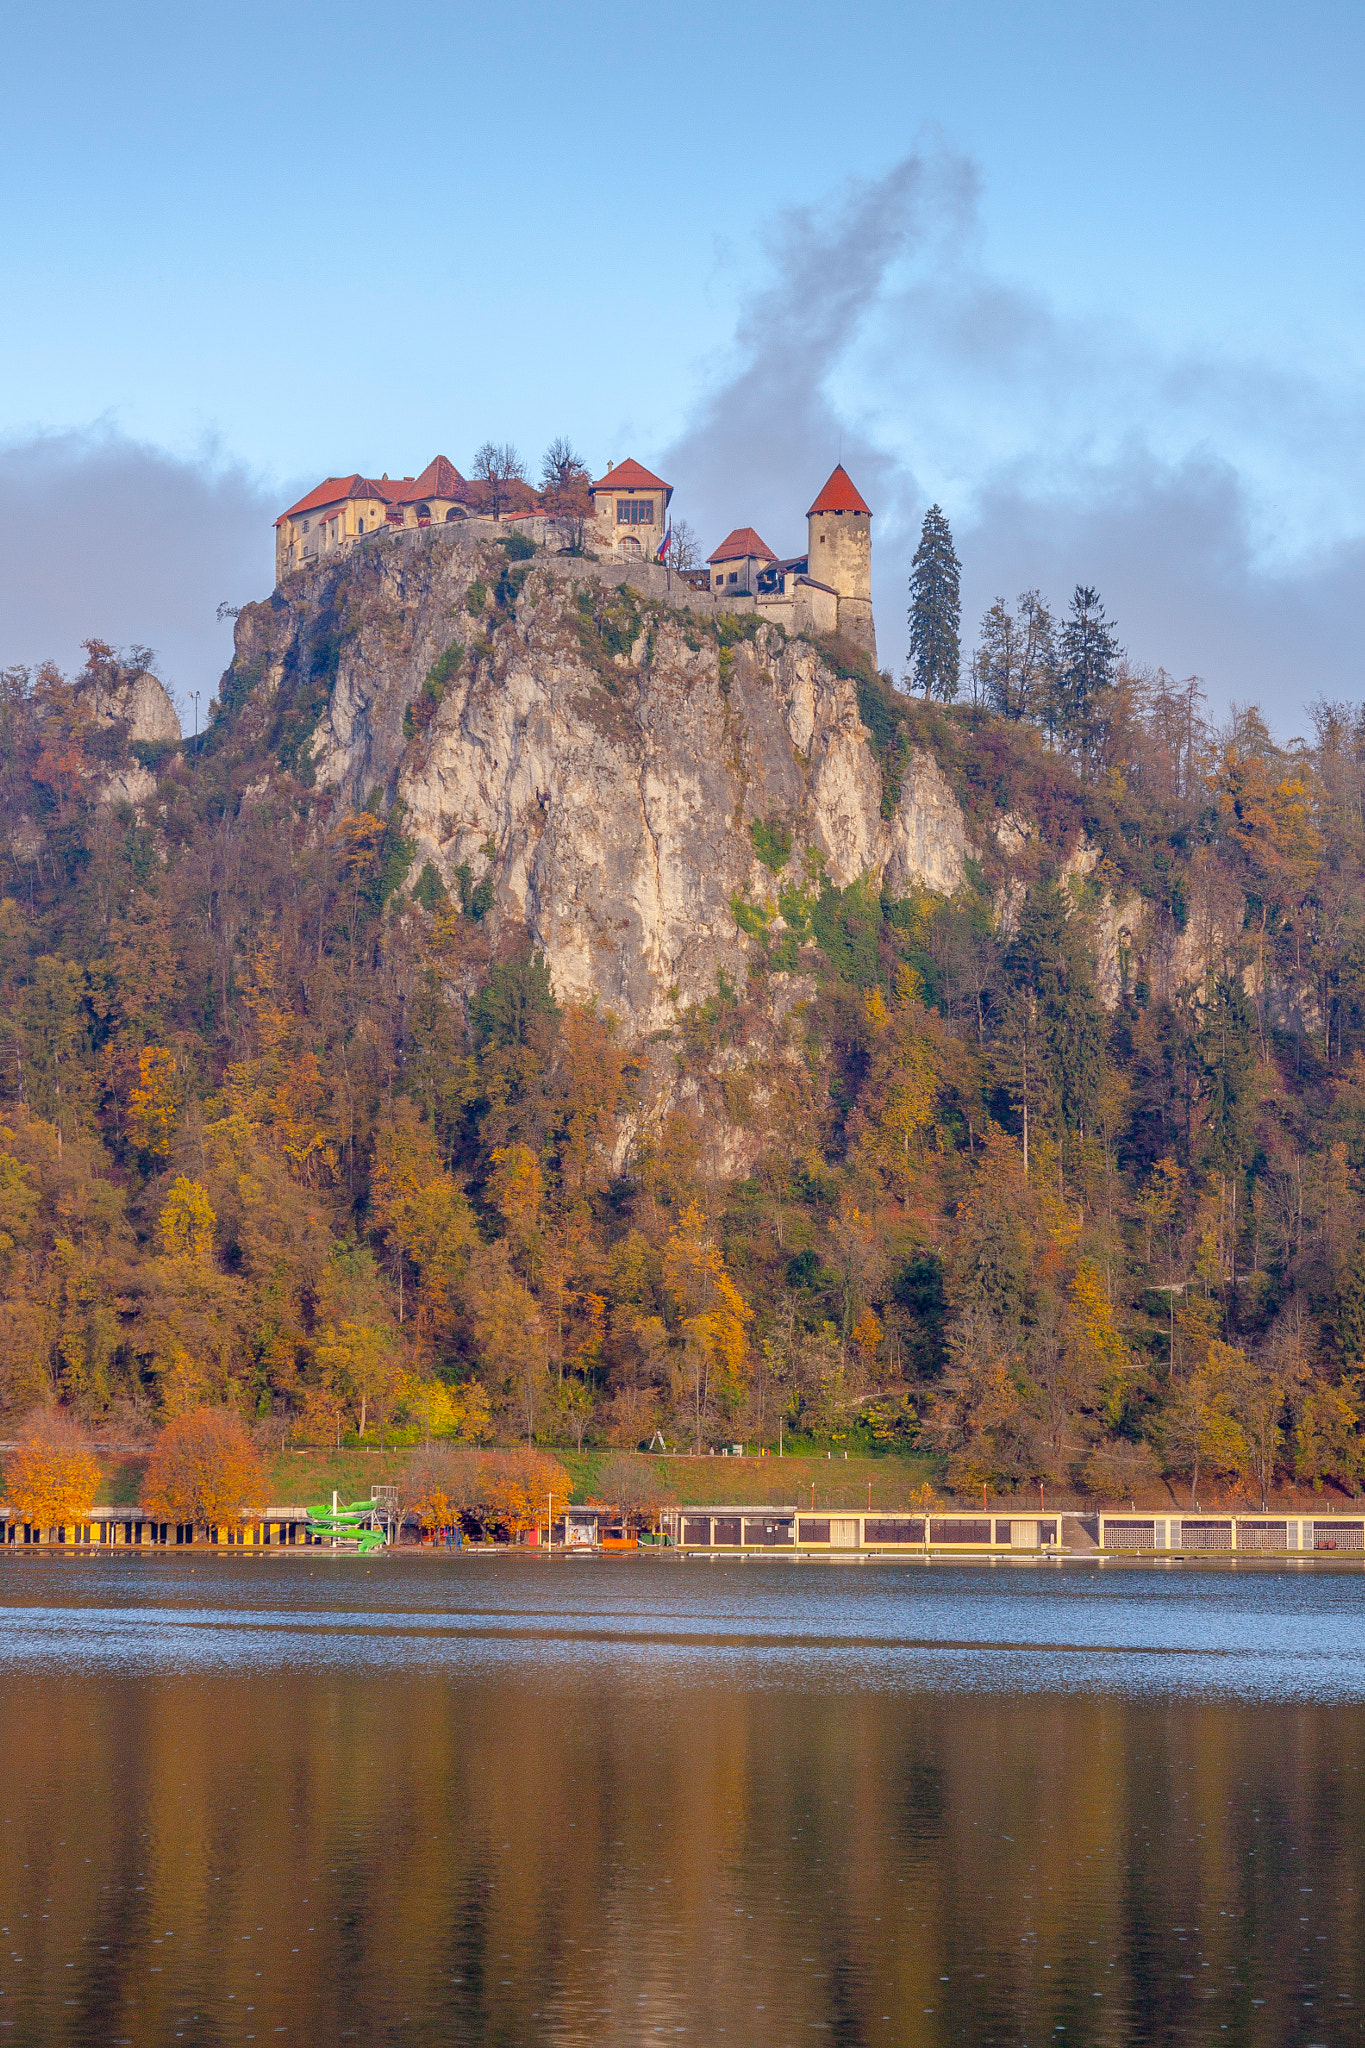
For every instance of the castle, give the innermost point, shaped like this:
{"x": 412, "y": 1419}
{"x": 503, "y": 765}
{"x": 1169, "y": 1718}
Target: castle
{"x": 826, "y": 590}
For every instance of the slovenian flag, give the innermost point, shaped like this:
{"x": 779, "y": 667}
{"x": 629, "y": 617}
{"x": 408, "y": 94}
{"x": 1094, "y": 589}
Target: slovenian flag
{"x": 662, "y": 548}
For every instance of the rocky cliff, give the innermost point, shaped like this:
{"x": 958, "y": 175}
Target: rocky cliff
{"x": 610, "y": 768}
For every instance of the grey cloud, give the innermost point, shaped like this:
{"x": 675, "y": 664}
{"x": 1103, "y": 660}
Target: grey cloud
{"x": 770, "y": 432}
{"x": 104, "y": 537}
{"x": 1216, "y": 502}
{"x": 1172, "y": 549}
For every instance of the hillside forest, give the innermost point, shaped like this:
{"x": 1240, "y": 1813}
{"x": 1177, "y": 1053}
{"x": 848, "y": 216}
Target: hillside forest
{"x": 284, "y": 1129}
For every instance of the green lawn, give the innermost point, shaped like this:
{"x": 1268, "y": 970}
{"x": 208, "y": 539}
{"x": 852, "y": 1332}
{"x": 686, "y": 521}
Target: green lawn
{"x": 296, "y": 1478}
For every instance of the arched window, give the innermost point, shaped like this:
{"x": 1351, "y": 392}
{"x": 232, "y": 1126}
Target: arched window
{"x": 424, "y": 515}
{"x": 455, "y": 512}
{"x": 630, "y": 546}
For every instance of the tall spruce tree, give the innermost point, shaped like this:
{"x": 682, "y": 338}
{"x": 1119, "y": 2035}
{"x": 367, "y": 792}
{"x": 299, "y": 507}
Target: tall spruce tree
{"x": 1088, "y": 656}
{"x": 935, "y": 610}
{"x": 1049, "y": 969}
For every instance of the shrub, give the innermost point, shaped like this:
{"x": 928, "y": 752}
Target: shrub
{"x": 429, "y": 890}
{"x": 772, "y": 842}
{"x": 520, "y": 547}
{"x": 51, "y": 1478}
{"x": 204, "y": 1469}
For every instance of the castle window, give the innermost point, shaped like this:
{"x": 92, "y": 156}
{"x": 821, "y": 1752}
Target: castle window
{"x": 305, "y": 526}
{"x": 734, "y": 575}
{"x": 634, "y": 511}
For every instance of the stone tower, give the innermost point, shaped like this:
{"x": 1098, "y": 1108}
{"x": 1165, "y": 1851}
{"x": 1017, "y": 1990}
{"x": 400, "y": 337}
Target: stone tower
{"x": 839, "y": 525}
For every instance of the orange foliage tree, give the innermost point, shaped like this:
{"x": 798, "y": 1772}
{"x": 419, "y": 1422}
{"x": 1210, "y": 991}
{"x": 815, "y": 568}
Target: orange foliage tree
{"x": 51, "y": 1478}
{"x": 204, "y": 1469}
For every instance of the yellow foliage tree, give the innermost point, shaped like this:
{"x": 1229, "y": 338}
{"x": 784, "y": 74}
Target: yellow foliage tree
{"x": 517, "y": 1187}
{"x": 463, "y": 1413}
{"x": 867, "y": 1335}
{"x": 517, "y": 1487}
{"x": 51, "y": 1477}
{"x": 711, "y": 1312}
{"x": 1104, "y": 1355}
{"x": 154, "y": 1104}
{"x": 187, "y": 1222}
{"x": 363, "y": 1359}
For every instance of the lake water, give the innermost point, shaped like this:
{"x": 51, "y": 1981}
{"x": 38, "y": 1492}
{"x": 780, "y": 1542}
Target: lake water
{"x": 639, "y": 1800}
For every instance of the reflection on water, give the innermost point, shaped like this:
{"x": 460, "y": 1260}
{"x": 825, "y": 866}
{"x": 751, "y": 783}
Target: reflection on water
{"x": 527, "y": 1801}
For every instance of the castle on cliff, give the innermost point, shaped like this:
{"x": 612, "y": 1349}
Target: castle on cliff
{"x": 827, "y": 590}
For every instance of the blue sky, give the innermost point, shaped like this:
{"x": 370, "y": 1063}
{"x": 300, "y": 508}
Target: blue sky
{"x": 1089, "y": 275}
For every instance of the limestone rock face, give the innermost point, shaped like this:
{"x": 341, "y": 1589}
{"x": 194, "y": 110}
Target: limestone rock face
{"x": 602, "y": 769}
{"x": 142, "y": 702}
{"x": 139, "y": 702}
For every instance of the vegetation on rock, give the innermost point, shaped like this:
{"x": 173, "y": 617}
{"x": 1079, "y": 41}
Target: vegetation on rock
{"x": 287, "y": 1138}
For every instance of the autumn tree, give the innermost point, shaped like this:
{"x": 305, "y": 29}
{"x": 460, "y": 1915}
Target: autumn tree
{"x": 637, "y": 1486}
{"x": 518, "y": 1487}
{"x": 499, "y": 468}
{"x": 443, "y": 1484}
{"x": 187, "y": 1222}
{"x": 155, "y": 1102}
{"x": 564, "y": 483}
{"x": 204, "y": 1469}
{"x": 363, "y": 1360}
{"x": 51, "y": 1478}
{"x": 711, "y": 1313}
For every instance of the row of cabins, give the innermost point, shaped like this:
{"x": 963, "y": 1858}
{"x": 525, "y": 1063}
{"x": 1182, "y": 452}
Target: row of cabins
{"x": 718, "y": 1530}
{"x": 130, "y": 1528}
{"x": 760, "y": 1529}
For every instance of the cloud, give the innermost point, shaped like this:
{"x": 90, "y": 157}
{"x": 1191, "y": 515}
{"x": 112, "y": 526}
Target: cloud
{"x": 105, "y": 537}
{"x": 1217, "y": 502}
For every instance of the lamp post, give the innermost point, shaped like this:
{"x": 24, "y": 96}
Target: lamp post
{"x": 549, "y": 1521}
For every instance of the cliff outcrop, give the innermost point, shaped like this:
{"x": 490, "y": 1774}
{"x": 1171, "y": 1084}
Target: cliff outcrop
{"x": 644, "y": 788}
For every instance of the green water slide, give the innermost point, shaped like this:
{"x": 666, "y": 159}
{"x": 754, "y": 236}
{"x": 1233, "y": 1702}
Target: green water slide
{"x": 359, "y": 1525}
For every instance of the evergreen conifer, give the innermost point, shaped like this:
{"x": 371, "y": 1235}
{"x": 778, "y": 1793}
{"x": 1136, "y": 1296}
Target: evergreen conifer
{"x": 1088, "y": 657}
{"x": 935, "y": 610}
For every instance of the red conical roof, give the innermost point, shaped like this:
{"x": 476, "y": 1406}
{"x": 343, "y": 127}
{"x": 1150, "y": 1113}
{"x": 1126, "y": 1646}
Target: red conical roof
{"x": 840, "y": 494}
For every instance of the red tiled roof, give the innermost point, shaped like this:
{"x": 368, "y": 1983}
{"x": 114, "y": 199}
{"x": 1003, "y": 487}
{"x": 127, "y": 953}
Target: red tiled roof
{"x": 333, "y": 490}
{"x": 440, "y": 479}
{"x": 630, "y": 475}
{"x": 740, "y": 544}
{"x": 840, "y": 494}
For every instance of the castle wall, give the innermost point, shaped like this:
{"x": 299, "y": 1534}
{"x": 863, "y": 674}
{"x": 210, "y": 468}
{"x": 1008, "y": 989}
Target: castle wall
{"x": 840, "y": 546}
